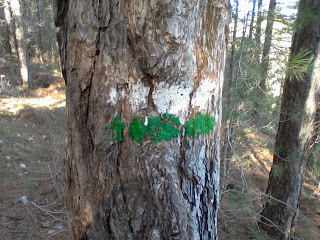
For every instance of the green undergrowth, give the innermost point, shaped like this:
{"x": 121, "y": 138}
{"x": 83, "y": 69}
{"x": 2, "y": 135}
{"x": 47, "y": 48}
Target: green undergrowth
{"x": 256, "y": 233}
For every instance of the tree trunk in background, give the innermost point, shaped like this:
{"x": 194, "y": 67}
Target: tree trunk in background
{"x": 238, "y": 74}
{"x": 298, "y": 110}
{"x": 10, "y": 27}
{"x": 4, "y": 32}
{"x": 52, "y": 48}
{"x": 21, "y": 44}
{"x": 39, "y": 27}
{"x": 267, "y": 44}
{"x": 259, "y": 93}
{"x": 127, "y": 64}
{"x": 257, "y": 35}
{"x": 253, "y": 13}
{"x": 229, "y": 132}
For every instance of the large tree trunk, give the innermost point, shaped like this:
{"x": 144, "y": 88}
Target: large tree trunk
{"x": 21, "y": 44}
{"x": 127, "y": 64}
{"x": 10, "y": 27}
{"x": 298, "y": 109}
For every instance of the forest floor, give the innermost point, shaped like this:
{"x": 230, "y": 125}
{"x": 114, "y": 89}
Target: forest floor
{"x": 32, "y": 140}
{"x": 242, "y": 201}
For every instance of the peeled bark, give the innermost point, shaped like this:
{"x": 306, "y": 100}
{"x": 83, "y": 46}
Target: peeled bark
{"x": 21, "y": 44}
{"x": 131, "y": 61}
{"x": 298, "y": 110}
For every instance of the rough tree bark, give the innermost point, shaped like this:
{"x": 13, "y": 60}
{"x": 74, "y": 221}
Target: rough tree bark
{"x": 298, "y": 110}
{"x": 127, "y": 64}
{"x": 10, "y": 27}
{"x": 21, "y": 44}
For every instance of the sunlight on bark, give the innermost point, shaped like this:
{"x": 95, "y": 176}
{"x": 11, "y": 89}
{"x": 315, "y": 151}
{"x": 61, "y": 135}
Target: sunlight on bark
{"x": 312, "y": 101}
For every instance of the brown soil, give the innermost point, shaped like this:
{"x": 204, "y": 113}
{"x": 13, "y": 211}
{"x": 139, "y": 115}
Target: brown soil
{"x": 32, "y": 137}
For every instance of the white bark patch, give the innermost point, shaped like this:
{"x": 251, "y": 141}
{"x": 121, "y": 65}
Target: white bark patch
{"x": 113, "y": 96}
{"x": 174, "y": 27}
{"x": 88, "y": 214}
{"x": 139, "y": 94}
{"x": 155, "y": 234}
{"x": 24, "y": 73}
{"x": 172, "y": 99}
{"x": 202, "y": 96}
{"x": 107, "y": 60}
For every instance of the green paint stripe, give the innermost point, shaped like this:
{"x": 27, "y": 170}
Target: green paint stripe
{"x": 165, "y": 127}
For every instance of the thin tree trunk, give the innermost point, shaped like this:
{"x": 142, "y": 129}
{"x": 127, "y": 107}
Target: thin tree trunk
{"x": 267, "y": 44}
{"x": 229, "y": 133}
{"x": 298, "y": 111}
{"x": 263, "y": 63}
{"x": 21, "y": 44}
{"x": 231, "y": 130}
{"x": 4, "y": 31}
{"x": 238, "y": 74}
{"x": 10, "y": 27}
{"x": 51, "y": 49}
{"x": 253, "y": 13}
{"x": 128, "y": 65}
{"x": 258, "y": 32}
{"x": 232, "y": 57}
{"x": 39, "y": 27}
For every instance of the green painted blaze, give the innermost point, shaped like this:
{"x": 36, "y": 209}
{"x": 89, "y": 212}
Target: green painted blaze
{"x": 116, "y": 126}
{"x": 163, "y": 127}
{"x": 199, "y": 125}
{"x": 157, "y": 128}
